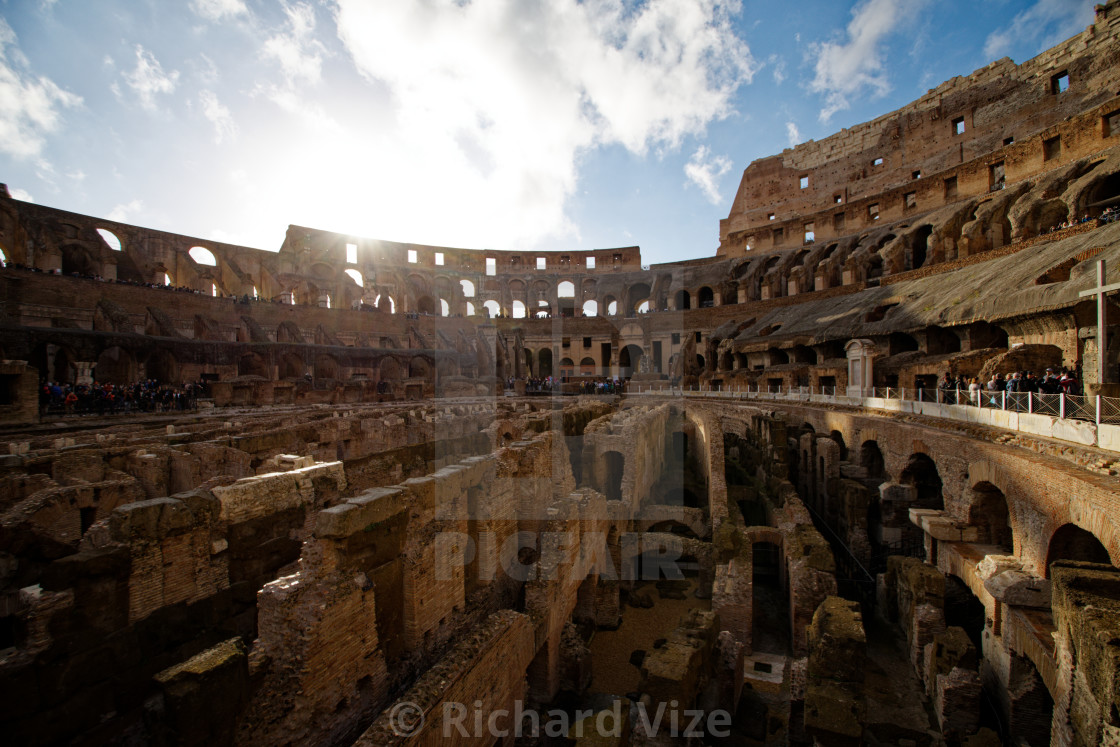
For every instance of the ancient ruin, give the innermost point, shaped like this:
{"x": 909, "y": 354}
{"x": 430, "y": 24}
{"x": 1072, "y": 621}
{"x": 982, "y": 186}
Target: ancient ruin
{"x": 421, "y": 495}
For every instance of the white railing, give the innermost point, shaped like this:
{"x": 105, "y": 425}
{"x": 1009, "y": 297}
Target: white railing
{"x": 1091, "y": 420}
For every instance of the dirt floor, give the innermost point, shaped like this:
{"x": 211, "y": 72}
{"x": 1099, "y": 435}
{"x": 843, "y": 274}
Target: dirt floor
{"x": 611, "y": 670}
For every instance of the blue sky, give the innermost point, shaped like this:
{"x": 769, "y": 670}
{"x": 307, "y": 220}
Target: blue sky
{"x": 505, "y": 124}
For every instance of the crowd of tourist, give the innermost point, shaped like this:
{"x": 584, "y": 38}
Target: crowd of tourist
{"x": 955, "y": 390}
{"x": 105, "y": 398}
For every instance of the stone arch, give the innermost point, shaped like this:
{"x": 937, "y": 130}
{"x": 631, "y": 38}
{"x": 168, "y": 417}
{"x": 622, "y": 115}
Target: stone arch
{"x": 1071, "y": 542}
{"x": 921, "y": 472}
{"x": 544, "y": 362}
{"x": 252, "y": 364}
{"x": 629, "y": 358}
{"x": 162, "y": 366}
{"x": 288, "y": 331}
{"x": 77, "y": 259}
{"x": 116, "y": 365}
{"x": 291, "y": 366}
{"x": 682, "y": 300}
{"x": 389, "y": 369}
{"x": 636, "y": 295}
{"x": 426, "y": 305}
{"x": 988, "y": 512}
{"x": 419, "y": 368}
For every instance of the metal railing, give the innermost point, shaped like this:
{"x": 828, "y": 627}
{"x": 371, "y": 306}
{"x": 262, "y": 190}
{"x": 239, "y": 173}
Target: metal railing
{"x": 1094, "y": 409}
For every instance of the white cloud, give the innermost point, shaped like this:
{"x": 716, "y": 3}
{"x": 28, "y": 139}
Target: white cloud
{"x": 123, "y": 212}
{"x": 1045, "y": 23}
{"x": 299, "y": 54}
{"x": 21, "y": 194}
{"x": 793, "y": 134}
{"x": 30, "y": 106}
{"x": 147, "y": 80}
{"x": 219, "y": 116}
{"x": 779, "y": 68}
{"x": 494, "y": 101}
{"x": 704, "y": 171}
{"x": 217, "y": 10}
{"x": 845, "y": 68}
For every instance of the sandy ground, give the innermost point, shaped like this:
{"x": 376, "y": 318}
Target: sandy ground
{"x": 612, "y": 671}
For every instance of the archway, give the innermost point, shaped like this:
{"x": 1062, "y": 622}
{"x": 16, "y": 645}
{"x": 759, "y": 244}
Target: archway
{"x": 544, "y": 362}
{"x": 706, "y": 298}
{"x": 425, "y": 305}
{"x": 162, "y": 367}
{"x": 389, "y": 370}
{"x": 682, "y": 300}
{"x": 989, "y": 514}
{"x": 1071, "y": 542}
{"x": 291, "y": 366}
{"x": 921, "y": 472}
{"x": 116, "y": 365}
{"x": 629, "y": 359}
{"x": 252, "y": 364}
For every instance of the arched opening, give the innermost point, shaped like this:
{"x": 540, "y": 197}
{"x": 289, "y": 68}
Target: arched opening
{"x": 636, "y": 296}
{"x": 492, "y": 308}
{"x": 326, "y": 367}
{"x": 468, "y": 288}
{"x": 777, "y": 357}
{"x": 612, "y": 306}
{"x": 63, "y": 369}
{"x": 918, "y": 247}
{"x": 115, "y": 365}
{"x": 706, "y": 297}
{"x": 389, "y": 370}
{"x": 989, "y": 514}
{"x": 1071, "y": 542}
{"x": 419, "y": 368}
{"x": 941, "y": 341}
{"x": 162, "y": 367}
{"x": 518, "y": 310}
{"x": 838, "y": 439}
{"x": 1107, "y": 190}
{"x": 590, "y": 307}
{"x": 110, "y": 239}
{"x": 682, "y": 300}
{"x": 384, "y": 302}
{"x": 613, "y": 464}
{"x": 203, "y": 256}
{"x": 629, "y": 359}
{"x": 921, "y": 472}
{"x": 356, "y": 277}
{"x": 567, "y": 367}
{"x": 544, "y": 362}
{"x": 252, "y": 364}
{"x": 426, "y": 305}
{"x": 291, "y": 366}
{"x": 77, "y": 261}
{"x": 3, "y": 258}
{"x": 544, "y": 310}
{"x": 444, "y": 308}
{"x": 470, "y": 309}
{"x": 565, "y": 289}
{"x": 587, "y": 367}
{"x": 900, "y": 342}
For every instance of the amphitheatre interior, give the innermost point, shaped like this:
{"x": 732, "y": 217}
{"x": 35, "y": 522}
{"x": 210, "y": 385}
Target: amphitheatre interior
{"x": 404, "y": 507}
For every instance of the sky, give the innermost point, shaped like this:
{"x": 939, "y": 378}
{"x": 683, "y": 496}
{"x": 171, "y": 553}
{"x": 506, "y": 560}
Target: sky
{"x": 486, "y": 124}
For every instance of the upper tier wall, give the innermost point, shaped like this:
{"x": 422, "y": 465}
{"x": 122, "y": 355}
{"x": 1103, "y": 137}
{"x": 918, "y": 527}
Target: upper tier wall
{"x": 975, "y": 134}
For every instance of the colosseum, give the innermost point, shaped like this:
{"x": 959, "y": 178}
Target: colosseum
{"x": 379, "y": 493}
